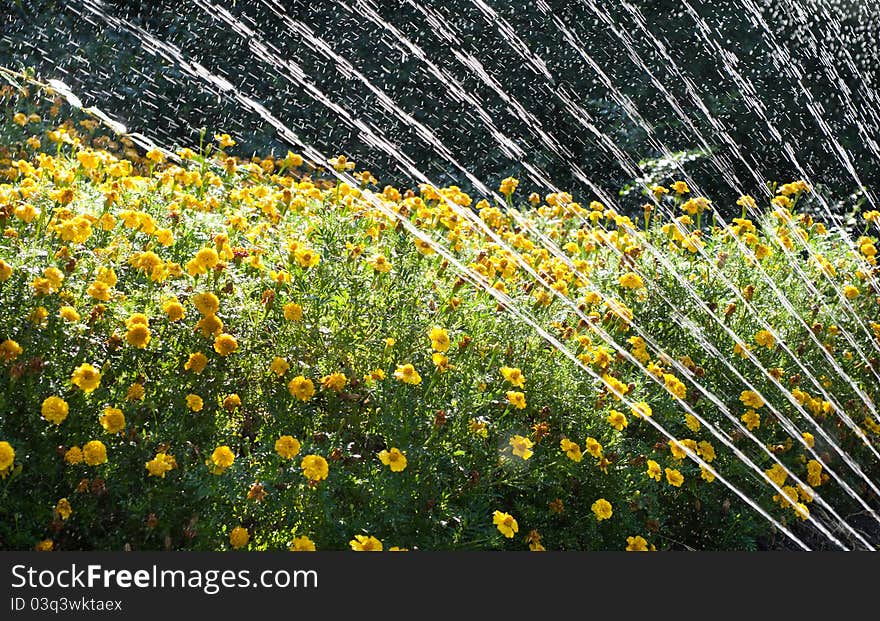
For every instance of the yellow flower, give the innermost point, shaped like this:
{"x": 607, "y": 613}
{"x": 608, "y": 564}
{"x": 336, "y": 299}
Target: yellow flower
{"x": 155, "y": 155}
{"x": 279, "y": 366}
{"x": 777, "y": 474}
{"x": 814, "y": 473}
{"x": 315, "y": 467}
{"x": 751, "y": 399}
{"x": 302, "y": 544}
{"x": 478, "y": 427}
{"x": 752, "y": 419}
{"x": 594, "y": 448}
{"x": 617, "y": 420}
{"x": 706, "y": 451}
{"x": 765, "y": 339}
{"x": 636, "y": 544}
{"x": 602, "y": 509}
{"x": 673, "y": 477}
{"x": 73, "y": 455}
{"x": 112, "y": 420}
{"x": 571, "y": 449}
{"x": 9, "y": 350}
{"x": 46, "y": 545}
{"x": 196, "y": 362}
{"x": 394, "y": 459}
{"x": 508, "y": 186}
{"x": 306, "y": 257}
{"x": 68, "y": 313}
{"x": 207, "y": 258}
{"x": 677, "y": 450}
{"x": 706, "y": 474}
{"x": 691, "y": 422}
{"x": 631, "y": 280}
{"x": 809, "y": 440}
{"x": 224, "y": 140}
{"x": 210, "y": 325}
{"x": 239, "y": 537}
{"x": 439, "y": 339}
{"x": 138, "y": 335}
{"x": 380, "y": 263}
{"x": 521, "y": 446}
{"x": 287, "y": 447}
{"x": 641, "y": 409}
{"x": 54, "y": 409}
{"x": 135, "y": 392}
{"x": 675, "y": 385}
{"x": 516, "y": 399}
{"x": 293, "y": 311}
{"x": 301, "y": 388}
{"x": 851, "y": 292}
{"x": 654, "y": 471}
{"x": 63, "y": 509}
{"x": 506, "y": 524}
{"x": 680, "y": 187}
{"x": 334, "y": 381}
{"x": 194, "y": 403}
{"x": 206, "y": 303}
{"x": 514, "y": 376}
{"x": 7, "y": 458}
{"x": 364, "y": 543}
{"x": 221, "y": 459}
{"x": 407, "y": 374}
{"x": 230, "y": 402}
{"x": 99, "y": 290}
{"x": 225, "y": 344}
{"x": 160, "y": 465}
{"x": 86, "y": 377}
{"x": 94, "y": 453}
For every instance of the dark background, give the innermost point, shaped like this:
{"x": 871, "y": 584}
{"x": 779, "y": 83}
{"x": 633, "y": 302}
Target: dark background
{"x": 831, "y": 47}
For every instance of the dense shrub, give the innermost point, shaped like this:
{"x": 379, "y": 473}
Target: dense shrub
{"x": 166, "y": 326}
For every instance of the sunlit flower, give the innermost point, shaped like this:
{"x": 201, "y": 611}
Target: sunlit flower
{"x": 602, "y": 509}
{"x": 407, "y": 374}
{"x": 225, "y": 344}
{"x": 7, "y": 458}
{"x": 86, "y": 377}
{"x": 54, "y": 409}
{"x": 196, "y": 362}
{"x": 221, "y": 459}
{"x": 9, "y": 350}
{"x": 334, "y": 381}
{"x": 94, "y": 453}
{"x": 112, "y": 420}
{"x": 315, "y": 467}
{"x": 301, "y": 388}
{"x": 505, "y": 523}
{"x": 636, "y": 544}
{"x": 287, "y": 447}
{"x": 302, "y": 544}
{"x": 674, "y": 477}
{"x": 394, "y": 459}
{"x": 516, "y": 399}
{"x": 571, "y": 450}
{"x": 521, "y": 446}
{"x": 365, "y": 543}
{"x": 439, "y": 339}
{"x": 617, "y": 420}
{"x": 514, "y": 376}
{"x": 751, "y": 399}
{"x": 239, "y": 537}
